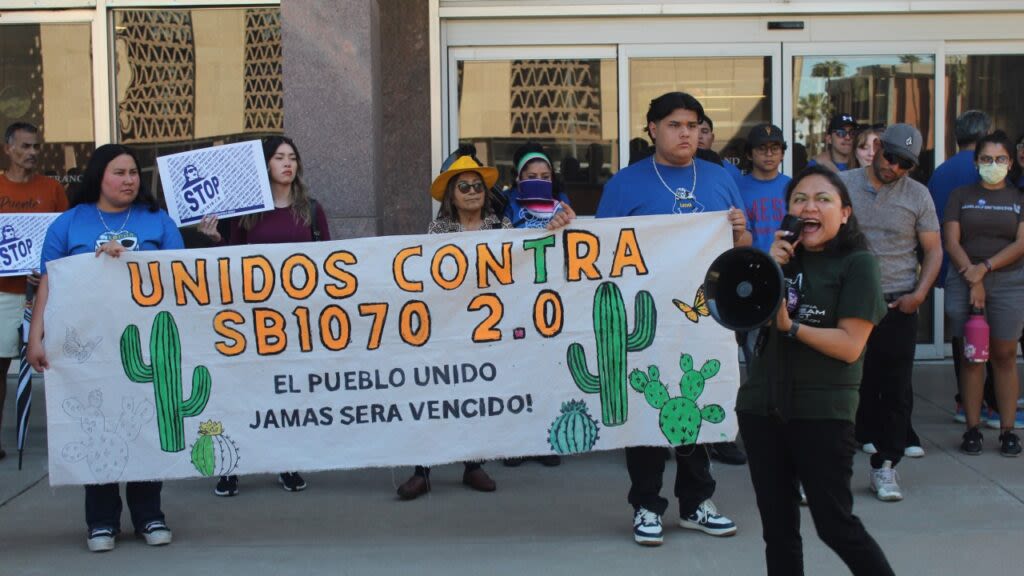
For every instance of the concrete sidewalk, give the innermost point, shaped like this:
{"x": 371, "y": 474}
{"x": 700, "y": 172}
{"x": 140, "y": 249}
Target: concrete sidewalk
{"x": 961, "y": 515}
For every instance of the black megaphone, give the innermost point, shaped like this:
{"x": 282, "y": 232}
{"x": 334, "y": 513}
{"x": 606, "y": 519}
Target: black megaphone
{"x": 744, "y": 288}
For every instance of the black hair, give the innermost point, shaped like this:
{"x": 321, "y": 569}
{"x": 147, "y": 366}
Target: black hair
{"x": 666, "y": 104}
{"x": 970, "y": 127}
{"x": 301, "y": 206}
{"x": 16, "y": 126}
{"x": 1000, "y": 138}
{"x": 707, "y": 120}
{"x": 849, "y": 238}
{"x": 92, "y": 180}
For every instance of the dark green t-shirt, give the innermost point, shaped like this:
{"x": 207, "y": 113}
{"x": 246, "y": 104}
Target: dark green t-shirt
{"x": 826, "y": 287}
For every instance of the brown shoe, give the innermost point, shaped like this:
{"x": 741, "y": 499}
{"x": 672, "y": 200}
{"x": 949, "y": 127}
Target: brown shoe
{"x": 478, "y": 480}
{"x": 414, "y": 488}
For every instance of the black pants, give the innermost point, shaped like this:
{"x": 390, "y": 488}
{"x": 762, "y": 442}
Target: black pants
{"x": 818, "y": 454}
{"x": 103, "y": 504}
{"x": 694, "y": 484}
{"x": 886, "y": 396}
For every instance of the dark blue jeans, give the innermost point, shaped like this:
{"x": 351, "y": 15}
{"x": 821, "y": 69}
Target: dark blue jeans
{"x": 103, "y": 504}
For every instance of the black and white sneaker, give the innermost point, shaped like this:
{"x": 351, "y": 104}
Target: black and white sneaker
{"x": 707, "y": 519}
{"x": 156, "y": 533}
{"x": 226, "y": 486}
{"x": 972, "y": 443}
{"x": 1009, "y": 444}
{"x": 647, "y": 528}
{"x": 101, "y": 539}
{"x": 291, "y": 481}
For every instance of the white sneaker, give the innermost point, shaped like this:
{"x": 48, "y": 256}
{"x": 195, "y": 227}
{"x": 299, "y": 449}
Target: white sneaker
{"x": 101, "y": 539}
{"x": 647, "y": 528}
{"x": 884, "y": 483}
{"x": 869, "y": 448}
{"x": 913, "y": 452}
{"x": 157, "y": 533}
{"x": 707, "y": 519}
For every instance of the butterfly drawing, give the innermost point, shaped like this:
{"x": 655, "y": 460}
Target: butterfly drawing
{"x": 698, "y": 309}
{"x": 75, "y": 348}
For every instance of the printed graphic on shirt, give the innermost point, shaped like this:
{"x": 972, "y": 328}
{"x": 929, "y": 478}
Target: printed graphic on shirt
{"x": 125, "y": 238}
{"x": 794, "y": 288}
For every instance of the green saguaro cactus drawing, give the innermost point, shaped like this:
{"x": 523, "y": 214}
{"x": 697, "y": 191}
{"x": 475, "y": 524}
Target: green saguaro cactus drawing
{"x": 613, "y": 342}
{"x": 164, "y": 371}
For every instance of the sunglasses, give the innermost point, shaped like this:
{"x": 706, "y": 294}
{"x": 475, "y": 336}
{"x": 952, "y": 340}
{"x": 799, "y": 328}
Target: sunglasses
{"x": 903, "y": 163}
{"x": 843, "y": 133}
{"x": 464, "y": 187}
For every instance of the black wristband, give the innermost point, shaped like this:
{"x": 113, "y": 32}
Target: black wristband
{"x": 793, "y": 328}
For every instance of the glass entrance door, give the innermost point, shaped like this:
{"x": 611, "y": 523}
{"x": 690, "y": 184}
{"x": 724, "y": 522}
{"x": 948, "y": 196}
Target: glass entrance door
{"x": 878, "y": 85}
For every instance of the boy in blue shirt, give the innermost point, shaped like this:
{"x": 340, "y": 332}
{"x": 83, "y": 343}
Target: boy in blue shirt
{"x": 674, "y": 181}
{"x": 764, "y": 188}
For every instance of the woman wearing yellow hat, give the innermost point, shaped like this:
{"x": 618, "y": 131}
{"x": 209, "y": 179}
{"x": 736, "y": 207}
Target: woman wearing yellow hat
{"x": 464, "y": 191}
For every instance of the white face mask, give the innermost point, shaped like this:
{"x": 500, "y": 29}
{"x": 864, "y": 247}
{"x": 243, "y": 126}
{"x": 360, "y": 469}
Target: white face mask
{"x": 993, "y": 173}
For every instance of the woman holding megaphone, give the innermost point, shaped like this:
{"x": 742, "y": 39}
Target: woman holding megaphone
{"x": 814, "y": 352}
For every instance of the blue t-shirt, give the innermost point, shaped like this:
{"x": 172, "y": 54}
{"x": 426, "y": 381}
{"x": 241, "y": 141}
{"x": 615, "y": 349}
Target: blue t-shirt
{"x": 636, "y": 190}
{"x": 842, "y": 166}
{"x": 732, "y": 169}
{"x": 765, "y": 204}
{"x": 953, "y": 173}
{"x": 520, "y": 217}
{"x": 80, "y": 231}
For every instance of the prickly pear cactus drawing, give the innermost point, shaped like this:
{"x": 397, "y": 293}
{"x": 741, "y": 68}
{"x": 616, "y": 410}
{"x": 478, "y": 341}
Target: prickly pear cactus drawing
{"x": 214, "y": 453}
{"x": 680, "y": 418}
{"x": 614, "y": 340}
{"x": 105, "y": 447}
{"x": 574, "y": 430}
{"x": 164, "y": 371}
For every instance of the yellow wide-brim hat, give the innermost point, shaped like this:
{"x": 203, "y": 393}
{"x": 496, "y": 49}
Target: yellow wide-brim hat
{"x": 462, "y": 164}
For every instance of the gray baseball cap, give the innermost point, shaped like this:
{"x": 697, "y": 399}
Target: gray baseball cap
{"x": 903, "y": 140}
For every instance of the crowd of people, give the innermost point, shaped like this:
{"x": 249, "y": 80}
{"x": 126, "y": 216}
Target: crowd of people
{"x": 870, "y": 250}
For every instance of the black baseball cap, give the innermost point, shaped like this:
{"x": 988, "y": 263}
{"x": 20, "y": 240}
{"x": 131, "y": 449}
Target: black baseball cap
{"x": 764, "y": 133}
{"x": 840, "y": 120}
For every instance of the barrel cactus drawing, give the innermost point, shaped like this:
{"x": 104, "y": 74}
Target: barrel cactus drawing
{"x": 214, "y": 453}
{"x": 164, "y": 371}
{"x": 614, "y": 340}
{"x": 574, "y": 430}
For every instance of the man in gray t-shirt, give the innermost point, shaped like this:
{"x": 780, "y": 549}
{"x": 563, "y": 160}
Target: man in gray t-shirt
{"x": 897, "y": 214}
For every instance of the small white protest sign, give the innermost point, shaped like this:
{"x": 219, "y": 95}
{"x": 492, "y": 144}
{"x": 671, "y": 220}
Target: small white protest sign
{"x": 21, "y": 241}
{"x": 229, "y": 180}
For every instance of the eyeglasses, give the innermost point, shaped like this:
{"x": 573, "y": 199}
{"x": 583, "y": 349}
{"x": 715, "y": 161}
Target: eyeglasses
{"x": 987, "y": 160}
{"x": 843, "y": 133}
{"x": 903, "y": 163}
{"x": 464, "y": 187}
{"x": 769, "y": 149}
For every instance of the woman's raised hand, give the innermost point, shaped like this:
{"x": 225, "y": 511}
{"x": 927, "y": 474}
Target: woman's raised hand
{"x": 782, "y": 250}
{"x": 208, "y": 227}
{"x": 562, "y": 217}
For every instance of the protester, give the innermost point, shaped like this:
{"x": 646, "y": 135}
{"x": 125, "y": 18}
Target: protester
{"x": 532, "y": 164}
{"x": 113, "y": 213}
{"x": 705, "y": 141}
{"x": 465, "y": 207}
{"x": 865, "y": 146}
{"x": 897, "y": 215}
{"x": 819, "y": 337}
{"x": 22, "y": 189}
{"x": 959, "y": 170}
{"x": 838, "y": 155}
{"x": 296, "y": 217}
{"x": 764, "y": 188}
{"x": 984, "y": 234}
{"x": 669, "y": 184}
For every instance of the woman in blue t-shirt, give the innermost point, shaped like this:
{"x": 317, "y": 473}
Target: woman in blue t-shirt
{"x": 111, "y": 214}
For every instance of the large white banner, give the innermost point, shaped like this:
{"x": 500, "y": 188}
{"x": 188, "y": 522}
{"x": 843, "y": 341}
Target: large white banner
{"x": 387, "y": 351}
{"x": 21, "y": 241}
{"x": 228, "y": 180}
